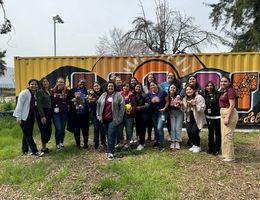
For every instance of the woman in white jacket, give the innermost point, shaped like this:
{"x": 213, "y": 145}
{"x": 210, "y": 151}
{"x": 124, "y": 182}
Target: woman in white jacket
{"x": 194, "y": 107}
{"x": 24, "y": 113}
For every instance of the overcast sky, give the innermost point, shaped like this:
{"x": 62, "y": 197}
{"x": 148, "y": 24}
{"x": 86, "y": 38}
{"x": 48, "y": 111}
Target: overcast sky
{"x": 84, "y": 22}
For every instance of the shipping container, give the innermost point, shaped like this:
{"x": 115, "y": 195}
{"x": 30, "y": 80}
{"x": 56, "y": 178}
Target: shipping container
{"x": 242, "y": 68}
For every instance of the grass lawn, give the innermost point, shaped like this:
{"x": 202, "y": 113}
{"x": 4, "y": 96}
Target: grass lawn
{"x": 149, "y": 174}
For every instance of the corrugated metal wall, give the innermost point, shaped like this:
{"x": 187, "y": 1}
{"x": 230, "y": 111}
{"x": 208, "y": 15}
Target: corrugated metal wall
{"x": 243, "y": 69}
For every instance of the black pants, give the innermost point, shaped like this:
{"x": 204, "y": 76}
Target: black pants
{"x": 193, "y": 132}
{"x": 140, "y": 125}
{"x": 27, "y": 128}
{"x": 45, "y": 129}
{"x": 83, "y": 125}
{"x": 149, "y": 126}
{"x": 214, "y": 139}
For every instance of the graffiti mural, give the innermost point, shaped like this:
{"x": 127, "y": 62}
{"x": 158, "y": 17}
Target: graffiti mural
{"x": 243, "y": 74}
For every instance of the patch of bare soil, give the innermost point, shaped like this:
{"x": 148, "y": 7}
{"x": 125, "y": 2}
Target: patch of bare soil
{"x": 8, "y": 192}
{"x": 211, "y": 178}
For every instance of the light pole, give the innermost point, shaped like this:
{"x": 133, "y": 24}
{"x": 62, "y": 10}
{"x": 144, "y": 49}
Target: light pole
{"x": 56, "y": 19}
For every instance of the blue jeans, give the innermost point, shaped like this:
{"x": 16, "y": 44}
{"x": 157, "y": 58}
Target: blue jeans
{"x": 98, "y": 132}
{"x": 176, "y": 119}
{"x": 159, "y": 119}
{"x": 111, "y": 132}
{"x": 128, "y": 124}
{"x": 59, "y": 120}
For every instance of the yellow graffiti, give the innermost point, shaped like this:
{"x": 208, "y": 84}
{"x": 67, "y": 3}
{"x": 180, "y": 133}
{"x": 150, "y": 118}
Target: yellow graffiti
{"x": 252, "y": 118}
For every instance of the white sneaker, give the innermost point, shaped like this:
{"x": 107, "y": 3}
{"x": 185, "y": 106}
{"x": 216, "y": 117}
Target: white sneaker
{"x": 196, "y": 149}
{"x": 119, "y": 145}
{"x": 126, "y": 146}
{"x": 61, "y": 145}
{"x": 177, "y": 145}
{"x": 191, "y": 149}
{"x": 228, "y": 159}
{"x": 140, "y": 147}
{"x": 58, "y": 147}
{"x": 38, "y": 153}
{"x": 131, "y": 141}
{"x": 172, "y": 146}
{"x": 110, "y": 156}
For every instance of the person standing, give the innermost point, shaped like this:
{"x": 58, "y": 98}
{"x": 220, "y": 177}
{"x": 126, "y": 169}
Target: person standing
{"x": 60, "y": 111}
{"x": 212, "y": 112}
{"x": 159, "y": 102}
{"x": 171, "y": 79}
{"x": 44, "y": 113}
{"x": 175, "y": 116}
{"x": 119, "y": 83}
{"x": 146, "y": 88}
{"x": 79, "y": 113}
{"x": 110, "y": 111}
{"x": 193, "y": 105}
{"x": 193, "y": 82}
{"x": 99, "y": 133}
{"x": 133, "y": 82}
{"x": 229, "y": 118}
{"x": 128, "y": 120}
{"x": 141, "y": 114}
{"x": 25, "y": 113}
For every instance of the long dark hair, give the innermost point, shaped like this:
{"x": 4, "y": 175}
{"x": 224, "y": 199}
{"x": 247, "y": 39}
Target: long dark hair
{"x": 44, "y": 78}
{"x": 213, "y": 90}
{"x": 197, "y": 86}
{"x": 33, "y": 80}
{"x": 140, "y": 84}
{"x": 177, "y": 90}
{"x": 110, "y": 82}
{"x": 101, "y": 88}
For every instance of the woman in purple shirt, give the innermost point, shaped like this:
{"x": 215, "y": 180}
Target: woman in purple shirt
{"x": 159, "y": 102}
{"x": 229, "y": 118}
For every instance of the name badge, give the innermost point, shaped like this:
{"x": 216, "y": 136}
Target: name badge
{"x": 56, "y": 110}
{"x": 109, "y": 99}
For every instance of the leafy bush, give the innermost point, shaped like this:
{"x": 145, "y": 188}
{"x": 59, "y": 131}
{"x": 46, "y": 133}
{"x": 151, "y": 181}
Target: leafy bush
{"x": 6, "y": 106}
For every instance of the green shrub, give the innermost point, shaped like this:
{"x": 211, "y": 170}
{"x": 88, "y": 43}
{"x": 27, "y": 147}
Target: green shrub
{"x": 6, "y": 106}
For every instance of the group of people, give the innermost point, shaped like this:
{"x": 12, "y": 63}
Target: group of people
{"x": 117, "y": 107}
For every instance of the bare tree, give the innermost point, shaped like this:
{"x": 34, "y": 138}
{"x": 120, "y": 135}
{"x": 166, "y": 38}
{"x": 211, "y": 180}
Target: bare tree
{"x": 116, "y": 44}
{"x": 5, "y": 28}
{"x": 171, "y": 32}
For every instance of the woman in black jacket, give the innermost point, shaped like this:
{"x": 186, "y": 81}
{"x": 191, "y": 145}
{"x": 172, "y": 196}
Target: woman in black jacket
{"x": 79, "y": 113}
{"x": 99, "y": 132}
{"x": 141, "y": 115}
{"x": 213, "y": 118}
{"x": 44, "y": 113}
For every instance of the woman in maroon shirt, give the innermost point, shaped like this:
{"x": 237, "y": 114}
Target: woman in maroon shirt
{"x": 60, "y": 112}
{"x": 229, "y": 118}
{"x": 110, "y": 111}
